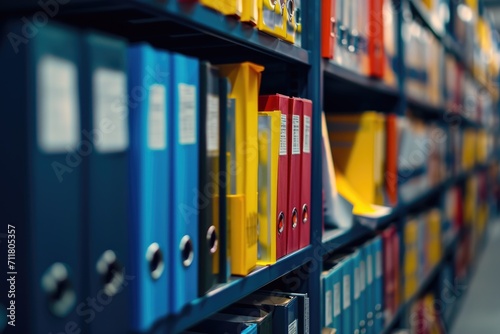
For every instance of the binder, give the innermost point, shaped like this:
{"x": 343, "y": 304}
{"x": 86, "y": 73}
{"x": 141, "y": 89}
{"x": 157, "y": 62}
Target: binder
{"x": 226, "y": 7}
{"x": 362, "y": 291}
{"x": 271, "y": 18}
{"x": 303, "y": 308}
{"x": 370, "y": 286}
{"x": 271, "y": 103}
{"x": 284, "y": 310}
{"x": 327, "y": 298}
{"x": 250, "y": 12}
{"x": 305, "y": 171}
{"x": 328, "y": 28}
{"x": 217, "y": 326}
{"x": 107, "y": 186}
{"x": 390, "y": 267}
{"x": 150, "y": 166}
{"x": 294, "y": 174}
{"x": 356, "y": 303}
{"x": 209, "y": 176}
{"x": 411, "y": 258}
{"x": 262, "y": 320}
{"x": 376, "y": 52}
{"x": 377, "y": 250}
{"x": 183, "y": 134}
{"x": 245, "y": 82}
{"x": 391, "y": 163}
{"x": 44, "y": 162}
{"x": 345, "y": 265}
{"x": 251, "y": 314}
{"x": 269, "y": 145}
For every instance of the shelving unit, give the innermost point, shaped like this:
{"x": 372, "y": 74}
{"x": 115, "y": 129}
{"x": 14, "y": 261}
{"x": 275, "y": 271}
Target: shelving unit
{"x": 192, "y": 29}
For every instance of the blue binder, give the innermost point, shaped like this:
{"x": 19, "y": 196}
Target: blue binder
{"x": 356, "y": 309}
{"x": 337, "y": 276}
{"x": 42, "y": 176}
{"x": 105, "y": 131}
{"x": 327, "y": 298}
{"x": 347, "y": 294}
{"x": 378, "y": 285}
{"x": 151, "y": 162}
{"x": 184, "y": 180}
{"x": 369, "y": 291}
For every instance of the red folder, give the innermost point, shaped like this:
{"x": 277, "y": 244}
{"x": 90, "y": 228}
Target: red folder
{"x": 375, "y": 33}
{"x": 328, "y": 23}
{"x": 305, "y": 171}
{"x": 273, "y": 103}
{"x": 294, "y": 151}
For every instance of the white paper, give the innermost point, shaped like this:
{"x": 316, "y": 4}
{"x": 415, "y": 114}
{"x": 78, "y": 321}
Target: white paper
{"x": 187, "y": 114}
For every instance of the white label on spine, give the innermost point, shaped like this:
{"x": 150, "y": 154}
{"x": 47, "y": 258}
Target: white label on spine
{"x": 212, "y": 126}
{"x": 58, "y": 114}
{"x": 187, "y": 114}
{"x": 283, "y": 135}
{"x": 369, "y": 268}
{"x": 293, "y": 328}
{"x": 295, "y": 134}
{"x": 378, "y": 265}
{"x": 362, "y": 276}
{"x": 336, "y": 299}
{"x": 328, "y": 308}
{"x": 157, "y": 126}
{"x": 110, "y": 110}
{"x": 347, "y": 291}
{"x": 307, "y": 135}
{"x": 356, "y": 283}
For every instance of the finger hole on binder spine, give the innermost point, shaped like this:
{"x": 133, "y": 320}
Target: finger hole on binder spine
{"x": 154, "y": 256}
{"x": 60, "y": 293}
{"x": 212, "y": 239}
{"x": 305, "y": 214}
{"x": 187, "y": 251}
{"x": 295, "y": 218}
{"x": 111, "y": 272}
{"x": 281, "y": 222}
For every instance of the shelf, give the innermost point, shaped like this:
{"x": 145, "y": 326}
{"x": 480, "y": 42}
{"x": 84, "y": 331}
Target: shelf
{"x": 343, "y": 88}
{"x": 228, "y": 293}
{"x": 188, "y": 28}
{"x": 424, "y": 286}
{"x": 421, "y": 12}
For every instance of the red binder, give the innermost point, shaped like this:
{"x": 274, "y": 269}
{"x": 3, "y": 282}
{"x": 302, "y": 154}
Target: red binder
{"x": 391, "y": 167}
{"x": 273, "y": 103}
{"x": 328, "y": 23}
{"x": 375, "y": 33}
{"x": 305, "y": 171}
{"x": 294, "y": 154}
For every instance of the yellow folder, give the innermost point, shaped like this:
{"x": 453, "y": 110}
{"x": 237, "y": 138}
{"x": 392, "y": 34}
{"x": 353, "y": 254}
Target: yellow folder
{"x": 250, "y": 12}
{"x": 245, "y": 82}
{"x": 269, "y": 142}
{"x": 433, "y": 237}
{"x": 358, "y": 151}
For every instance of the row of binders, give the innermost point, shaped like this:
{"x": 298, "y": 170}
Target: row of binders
{"x": 151, "y": 176}
{"x": 361, "y": 35}
{"x": 406, "y": 157}
{"x": 262, "y": 312}
{"x": 352, "y": 290}
{"x": 278, "y": 18}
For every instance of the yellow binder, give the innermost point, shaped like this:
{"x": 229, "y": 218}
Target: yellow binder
{"x": 250, "y": 12}
{"x": 226, "y": 7}
{"x": 433, "y": 237}
{"x": 411, "y": 258}
{"x": 269, "y": 142}
{"x": 358, "y": 151}
{"x": 245, "y": 82}
{"x": 271, "y": 17}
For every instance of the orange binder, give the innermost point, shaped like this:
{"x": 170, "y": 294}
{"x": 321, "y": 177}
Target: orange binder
{"x": 375, "y": 33}
{"x": 272, "y": 103}
{"x": 328, "y": 24}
